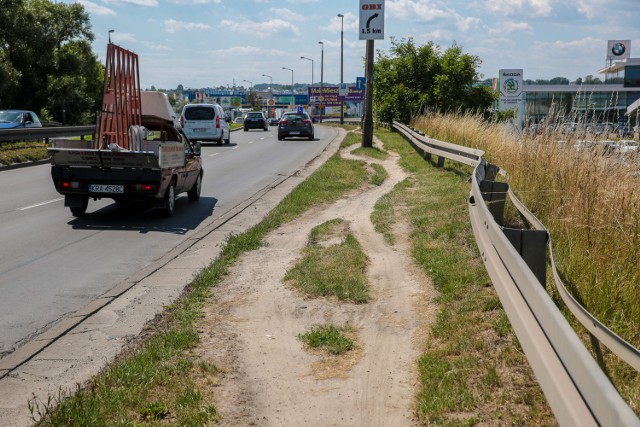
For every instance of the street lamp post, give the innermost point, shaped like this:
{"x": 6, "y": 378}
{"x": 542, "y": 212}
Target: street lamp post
{"x": 110, "y": 31}
{"x": 321, "y": 80}
{"x": 341, "y": 16}
{"x": 309, "y": 59}
{"x": 249, "y": 96}
{"x": 270, "y": 92}
{"x": 293, "y": 98}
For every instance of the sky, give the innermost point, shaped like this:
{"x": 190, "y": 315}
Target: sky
{"x": 211, "y": 43}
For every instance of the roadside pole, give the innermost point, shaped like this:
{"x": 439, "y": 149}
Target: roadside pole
{"x": 371, "y": 28}
{"x": 367, "y": 126}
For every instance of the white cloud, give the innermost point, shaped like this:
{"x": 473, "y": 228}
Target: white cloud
{"x": 418, "y": 10}
{"x": 287, "y": 14}
{"x": 172, "y": 26}
{"x": 261, "y": 29}
{"x": 586, "y": 43}
{"x": 196, "y": 1}
{"x": 351, "y": 23}
{"x": 146, "y": 3}
{"x": 246, "y": 50}
{"x": 156, "y": 46}
{"x": 123, "y": 37}
{"x": 96, "y": 9}
{"x": 511, "y": 27}
{"x": 514, "y": 7}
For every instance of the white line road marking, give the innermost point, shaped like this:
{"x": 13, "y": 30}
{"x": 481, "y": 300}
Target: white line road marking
{"x": 40, "y": 204}
{"x": 214, "y": 154}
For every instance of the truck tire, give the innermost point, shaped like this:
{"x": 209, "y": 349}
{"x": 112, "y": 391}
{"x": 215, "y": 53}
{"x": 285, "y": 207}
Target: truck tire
{"x": 169, "y": 201}
{"x": 80, "y": 210}
{"x": 194, "y": 193}
{"x": 228, "y": 140}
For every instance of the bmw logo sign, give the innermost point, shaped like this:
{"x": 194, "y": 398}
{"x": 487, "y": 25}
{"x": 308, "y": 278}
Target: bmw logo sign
{"x": 618, "y": 49}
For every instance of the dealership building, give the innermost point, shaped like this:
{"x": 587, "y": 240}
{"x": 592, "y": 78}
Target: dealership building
{"x": 616, "y": 100}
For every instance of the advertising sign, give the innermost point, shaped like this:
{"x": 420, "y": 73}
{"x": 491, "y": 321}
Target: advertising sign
{"x": 330, "y": 99}
{"x": 618, "y": 50}
{"x": 371, "y": 20}
{"x": 510, "y": 83}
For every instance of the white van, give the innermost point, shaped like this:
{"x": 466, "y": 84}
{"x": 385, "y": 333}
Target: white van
{"x": 205, "y": 123}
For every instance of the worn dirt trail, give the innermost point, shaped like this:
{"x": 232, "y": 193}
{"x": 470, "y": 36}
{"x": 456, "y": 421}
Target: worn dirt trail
{"x": 251, "y": 326}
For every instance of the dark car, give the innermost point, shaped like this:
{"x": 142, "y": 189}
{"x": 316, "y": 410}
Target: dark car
{"x": 295, "y": 124}
{"x": 255, "y": 120}
{"x": 13, "y": 119}
{"x": 273, "y": 121}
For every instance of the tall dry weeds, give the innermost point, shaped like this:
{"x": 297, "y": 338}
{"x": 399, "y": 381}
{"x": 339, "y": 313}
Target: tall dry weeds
{"x": 588, "y": 199}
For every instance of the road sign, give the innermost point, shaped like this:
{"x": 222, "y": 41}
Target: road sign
{"x": 371, "y": 19}
{"x": 343, "y": 90}
{"x": 300, "y": 109}
{"x": 360, "y": 83}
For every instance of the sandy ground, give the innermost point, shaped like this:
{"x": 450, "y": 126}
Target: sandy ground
{"x": 252, "y": 322}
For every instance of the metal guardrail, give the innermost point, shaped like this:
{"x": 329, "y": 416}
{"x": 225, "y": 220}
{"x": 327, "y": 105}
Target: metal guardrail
{"x": 33, "y": 134}
{"x": 576, "y": 388}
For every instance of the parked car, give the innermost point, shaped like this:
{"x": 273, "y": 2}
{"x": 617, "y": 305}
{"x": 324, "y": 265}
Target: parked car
{"x": 238, "y": 120}
{"x": 295, "y": 124}
{"x": 255, "y": 120}
{"x": 15, "y": 119}
{"x": 205, "y": 123}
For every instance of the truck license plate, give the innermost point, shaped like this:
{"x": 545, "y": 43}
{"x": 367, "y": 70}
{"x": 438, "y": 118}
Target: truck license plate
{"x": 106, "y": 188}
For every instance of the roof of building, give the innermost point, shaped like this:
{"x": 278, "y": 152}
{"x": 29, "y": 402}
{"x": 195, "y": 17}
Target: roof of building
{"x": 619, "y": 65}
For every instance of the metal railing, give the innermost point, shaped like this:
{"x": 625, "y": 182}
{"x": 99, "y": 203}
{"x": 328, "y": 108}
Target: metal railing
{"x": 575, "y": 386}
{"x": 44, "y": 133}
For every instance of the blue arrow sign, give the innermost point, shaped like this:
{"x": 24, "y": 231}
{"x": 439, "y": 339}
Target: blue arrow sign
{"x": 360, "y": 83}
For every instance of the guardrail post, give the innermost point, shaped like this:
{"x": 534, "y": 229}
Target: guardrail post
{"x": 495, "y": 194}
{"x": 440, "y": 161}
{"x": 532, "y": 247}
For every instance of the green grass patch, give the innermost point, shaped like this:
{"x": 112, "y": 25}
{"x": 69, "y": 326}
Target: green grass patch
{"x": 336, "y": 270}
{"x": 328, "y": 338}
{"x": 19, "y": 152}
{"x": 460, "y": 384}
{"x": 373, "y": 152}
{"x": 379, "y": 175}
{"x": 159, "y": 377}
{"x": 386, "y": 210}
{"x": 351, "y": 139}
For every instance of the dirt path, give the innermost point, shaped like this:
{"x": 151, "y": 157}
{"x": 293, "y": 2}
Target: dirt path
{"x": 250, "y": 330}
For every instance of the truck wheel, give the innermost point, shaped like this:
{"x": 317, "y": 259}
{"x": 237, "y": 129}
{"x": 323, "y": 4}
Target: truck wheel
{"x": 80, "y": 210}
{"x": 169, "y": 200}
{"x": 228, "y": 140}
{"x": 194, "y": 193}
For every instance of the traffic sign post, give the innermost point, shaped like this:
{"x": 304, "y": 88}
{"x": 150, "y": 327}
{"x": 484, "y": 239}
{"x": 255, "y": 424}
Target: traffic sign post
{"x": 371, "y": 20}
{"x": 371, "y": 28}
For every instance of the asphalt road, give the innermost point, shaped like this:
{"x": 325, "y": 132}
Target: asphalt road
{"x": 53, "y": 264}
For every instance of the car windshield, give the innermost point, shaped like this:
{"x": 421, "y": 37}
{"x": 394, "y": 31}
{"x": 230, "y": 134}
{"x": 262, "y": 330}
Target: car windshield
{"x": 10, "y": 116}
{"x": 199, "y": 113}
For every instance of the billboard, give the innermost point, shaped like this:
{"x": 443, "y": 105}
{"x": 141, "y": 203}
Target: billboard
{"x": 329, "y": 97}
{"x": 618, "y": 50}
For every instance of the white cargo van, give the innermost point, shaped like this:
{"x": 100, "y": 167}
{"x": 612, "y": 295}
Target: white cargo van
{"x": 205, "y": 123}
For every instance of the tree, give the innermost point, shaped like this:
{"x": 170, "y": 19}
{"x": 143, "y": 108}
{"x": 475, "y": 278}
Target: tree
{"x": 559, "y": 81}
{"x": 412, "y": 79}
{"x": 46, "y": 63}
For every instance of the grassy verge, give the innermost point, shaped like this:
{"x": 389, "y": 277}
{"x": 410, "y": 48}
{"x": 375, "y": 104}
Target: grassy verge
{"x": 473, "y": 370}
{"x": 336, "y": 269}
{"x": 588, "y": 200}
{"x": 154, "y": 382}
{"x": 19, "y": 152}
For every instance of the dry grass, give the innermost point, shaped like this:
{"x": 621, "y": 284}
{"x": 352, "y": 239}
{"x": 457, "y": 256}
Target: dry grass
{"x": 589, "y": 201}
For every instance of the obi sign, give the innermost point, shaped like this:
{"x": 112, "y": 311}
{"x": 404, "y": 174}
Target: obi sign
{"x": 371, "y": 20}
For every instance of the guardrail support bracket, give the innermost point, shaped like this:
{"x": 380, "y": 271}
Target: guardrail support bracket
{"x": 532, "y": 247}
{"x": 495, "y": 194}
